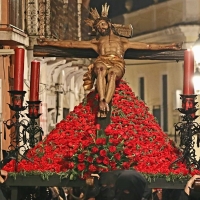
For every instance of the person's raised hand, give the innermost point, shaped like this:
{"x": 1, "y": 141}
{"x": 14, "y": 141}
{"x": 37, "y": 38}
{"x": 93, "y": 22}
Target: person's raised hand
{"x": 177, "y": 46}
{"x": 3, "y": 175}
{"x": 189, "y": 184}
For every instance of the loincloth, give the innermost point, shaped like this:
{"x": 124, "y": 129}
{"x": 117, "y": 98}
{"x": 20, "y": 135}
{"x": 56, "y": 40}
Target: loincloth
{"x": 109, "y": 61}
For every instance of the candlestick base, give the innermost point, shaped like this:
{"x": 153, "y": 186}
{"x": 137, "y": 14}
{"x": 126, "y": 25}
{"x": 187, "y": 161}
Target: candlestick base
{"x": 25, "y": 131}
{"x": 18, "y": 146}
{"x": 187, "y": 129}
{"x": 34, "y": 131}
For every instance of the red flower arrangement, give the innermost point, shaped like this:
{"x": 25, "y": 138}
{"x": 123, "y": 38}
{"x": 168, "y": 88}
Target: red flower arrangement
{"x": 104, "y": 153}
{"x": 78, "y": 147}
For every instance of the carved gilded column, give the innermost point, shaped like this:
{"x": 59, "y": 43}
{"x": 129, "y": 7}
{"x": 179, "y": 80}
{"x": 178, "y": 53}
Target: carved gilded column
{"x": 79, "y": 3}
{"x": 31, "y": 20}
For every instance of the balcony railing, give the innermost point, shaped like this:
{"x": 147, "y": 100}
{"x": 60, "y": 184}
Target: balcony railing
{"x": 11, "y": 35}
{"x": 10, "y": 26}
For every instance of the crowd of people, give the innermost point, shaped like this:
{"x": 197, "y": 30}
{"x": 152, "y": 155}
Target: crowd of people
{"x": 117, "y": 185}
{"x": 131, "y": 185}
{"x": 3, "y": 178}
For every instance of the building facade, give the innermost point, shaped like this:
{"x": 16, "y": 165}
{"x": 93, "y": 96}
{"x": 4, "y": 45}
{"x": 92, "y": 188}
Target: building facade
{"x": 12, "y": 34}
{"x": 163, "y": 80}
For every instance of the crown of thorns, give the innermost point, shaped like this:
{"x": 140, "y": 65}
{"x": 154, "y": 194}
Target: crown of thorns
{"x": 95, "y": 15}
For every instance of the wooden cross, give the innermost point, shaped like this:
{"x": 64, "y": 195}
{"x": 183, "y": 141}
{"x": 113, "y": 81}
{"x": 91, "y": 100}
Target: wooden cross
{"x": 51, "y": 51}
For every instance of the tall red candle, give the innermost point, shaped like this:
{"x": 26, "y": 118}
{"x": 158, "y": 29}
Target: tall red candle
{"x": 19, "y": 69}
{"x": 188, "y": 87}
{"x": 35, "y": 77}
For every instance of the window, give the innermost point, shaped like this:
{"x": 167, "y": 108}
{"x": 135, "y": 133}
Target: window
{"x": 164, "y": 103}
{"x": 16, "y": 13}
{"x": 141, "y": 88}
{"x": 156, "y": 114}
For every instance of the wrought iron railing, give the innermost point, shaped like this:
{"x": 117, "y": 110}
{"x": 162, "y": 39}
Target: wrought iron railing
{"x": 11, "y": 26}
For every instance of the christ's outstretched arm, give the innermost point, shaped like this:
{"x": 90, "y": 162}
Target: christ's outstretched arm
{"x": 67, "y": 43}
{"x": 146, "y": 46}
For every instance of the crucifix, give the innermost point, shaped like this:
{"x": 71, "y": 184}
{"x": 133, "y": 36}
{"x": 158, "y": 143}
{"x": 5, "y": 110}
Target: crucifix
{"x": 110, "y": 45}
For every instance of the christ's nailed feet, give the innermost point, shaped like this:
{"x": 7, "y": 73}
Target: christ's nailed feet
{"x": 103, "y": 109}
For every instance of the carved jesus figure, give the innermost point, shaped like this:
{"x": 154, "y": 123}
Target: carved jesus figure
{"x": 111, "y": 46}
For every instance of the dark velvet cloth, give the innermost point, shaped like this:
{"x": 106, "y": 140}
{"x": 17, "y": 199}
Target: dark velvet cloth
{"x": 174, "y": 194}
{"x": 131, "y": 185}
{"x": 194, "y": 194}
{"x": 2, "y": 197}
{"x": 107, "y": 185}
{"x": 111, "y": 186}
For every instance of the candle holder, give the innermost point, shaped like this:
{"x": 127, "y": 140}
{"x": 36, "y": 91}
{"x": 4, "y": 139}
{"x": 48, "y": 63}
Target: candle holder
{"x": 17, "y": 99}
{"x": 18, "y": 144}
{"x": 32, "y": 128}
{"x": 187, "y": 129}
{"x": 23, "y": 131}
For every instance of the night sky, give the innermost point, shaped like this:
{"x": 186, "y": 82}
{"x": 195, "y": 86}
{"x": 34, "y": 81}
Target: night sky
{"x": 118, "y": 7}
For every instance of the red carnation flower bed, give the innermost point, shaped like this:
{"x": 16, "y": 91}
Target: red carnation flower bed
{"x": 78, "y": 147}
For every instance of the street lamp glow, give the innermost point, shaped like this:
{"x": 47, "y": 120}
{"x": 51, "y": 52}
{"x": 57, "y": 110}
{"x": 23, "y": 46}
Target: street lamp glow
{"x": 196, "y": 50}
{"x": 196, "y": 77}
{"x": 196, "y": 81}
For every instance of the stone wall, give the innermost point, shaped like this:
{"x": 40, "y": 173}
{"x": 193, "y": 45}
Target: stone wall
{"x": 64, "y": 20}
{"x": 164, "y": 15}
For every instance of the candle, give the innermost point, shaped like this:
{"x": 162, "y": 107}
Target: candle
{"x": 188, "y": 87}
{"x": 19, "y": 69}
{"x": 34, "y": 84}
